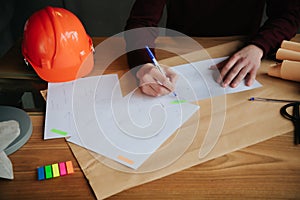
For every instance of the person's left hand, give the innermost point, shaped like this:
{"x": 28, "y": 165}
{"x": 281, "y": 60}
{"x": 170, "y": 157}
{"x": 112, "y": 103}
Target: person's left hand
{"x": 243, "y": 64}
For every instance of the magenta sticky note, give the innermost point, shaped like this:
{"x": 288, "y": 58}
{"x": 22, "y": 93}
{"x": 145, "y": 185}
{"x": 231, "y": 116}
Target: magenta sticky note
{"x": 62, "y": 168}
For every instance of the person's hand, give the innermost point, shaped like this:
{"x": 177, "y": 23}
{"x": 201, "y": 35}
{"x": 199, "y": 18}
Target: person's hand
{"x": 153, "y": 83}
{"x": 242, "y": 64}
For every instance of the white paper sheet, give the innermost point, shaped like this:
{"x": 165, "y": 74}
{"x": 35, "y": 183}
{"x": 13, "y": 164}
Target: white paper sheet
{"x": 196, "y": 81}
{"x": 93, "y": 112}
{"x": 59, "y": 109}
{"x": 104, "y": 124}
{"x": 103, "y": 132}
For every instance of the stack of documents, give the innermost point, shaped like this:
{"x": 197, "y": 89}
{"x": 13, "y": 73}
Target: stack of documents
{"x": 91, "y": 112}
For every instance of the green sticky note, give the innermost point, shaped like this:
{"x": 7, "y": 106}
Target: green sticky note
{"x": 178, "y": 101}
{"x": 59, "y": 132}
{"x": 48, "y": 171}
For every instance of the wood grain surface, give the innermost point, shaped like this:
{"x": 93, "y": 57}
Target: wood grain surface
{"x": 268, "y": 170}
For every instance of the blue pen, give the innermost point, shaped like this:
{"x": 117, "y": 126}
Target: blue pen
{"x": 156, "y": 63}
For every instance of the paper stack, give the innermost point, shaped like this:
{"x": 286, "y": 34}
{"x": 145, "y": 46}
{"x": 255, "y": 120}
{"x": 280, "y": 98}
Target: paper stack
{"x": 92, "y": 112}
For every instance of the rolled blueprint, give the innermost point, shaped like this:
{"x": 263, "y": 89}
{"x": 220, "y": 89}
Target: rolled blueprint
{"x": 286, "y": 54}
{"x": 289, "y": 70}
{"x": 294, "y": 46}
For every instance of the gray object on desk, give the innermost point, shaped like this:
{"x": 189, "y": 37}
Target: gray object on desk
{"x": 12, "y": 113}
{"x": 9, "y": 131}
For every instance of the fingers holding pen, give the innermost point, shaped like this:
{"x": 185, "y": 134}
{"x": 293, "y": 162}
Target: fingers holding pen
{"x": 153, "y": 82}
{"x": 171, "y": 75}
{"x": 150, "y": 86}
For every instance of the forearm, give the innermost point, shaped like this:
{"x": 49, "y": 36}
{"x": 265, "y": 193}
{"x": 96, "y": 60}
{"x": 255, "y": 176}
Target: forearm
{"x": 282, "y": 24}
{"x": 144, "y": 15}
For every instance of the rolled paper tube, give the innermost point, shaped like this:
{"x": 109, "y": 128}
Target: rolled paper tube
{"x": 285, "y": 54}
{"x": 289, "y": 70}
{"x": 294, "y": 46}
{"x": 274, "y": 70}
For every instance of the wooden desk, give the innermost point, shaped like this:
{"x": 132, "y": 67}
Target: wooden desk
{"x": 267, "y": 170}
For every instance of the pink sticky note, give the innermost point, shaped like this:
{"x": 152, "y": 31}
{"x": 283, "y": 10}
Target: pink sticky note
{"x": 62, "y": 168}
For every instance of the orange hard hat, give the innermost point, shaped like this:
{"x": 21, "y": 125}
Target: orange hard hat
{"x": 57, "y": 46}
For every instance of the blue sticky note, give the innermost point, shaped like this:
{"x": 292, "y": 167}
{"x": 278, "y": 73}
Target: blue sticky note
{"x": 41, "y": 173}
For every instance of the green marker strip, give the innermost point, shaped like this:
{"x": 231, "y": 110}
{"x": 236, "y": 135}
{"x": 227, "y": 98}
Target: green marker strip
{"x": 59, "y": 132}
{"x": 48, "y": 171}
{"x": 178, "y": 101}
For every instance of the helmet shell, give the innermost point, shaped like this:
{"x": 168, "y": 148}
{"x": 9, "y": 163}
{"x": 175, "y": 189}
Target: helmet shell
{"x": 57, "y": 46}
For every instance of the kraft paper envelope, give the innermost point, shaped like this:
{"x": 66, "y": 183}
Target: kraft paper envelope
{"x": 242, "y": 122}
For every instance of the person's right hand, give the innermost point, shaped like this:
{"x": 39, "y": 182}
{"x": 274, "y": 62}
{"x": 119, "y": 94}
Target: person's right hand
{"x": 153, "y": 83}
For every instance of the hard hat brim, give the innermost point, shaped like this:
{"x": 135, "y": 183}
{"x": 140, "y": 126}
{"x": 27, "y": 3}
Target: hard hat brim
{"x": 67, "y": 74}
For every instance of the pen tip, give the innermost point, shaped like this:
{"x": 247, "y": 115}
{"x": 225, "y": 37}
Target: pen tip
{"x": 251, "y": 99}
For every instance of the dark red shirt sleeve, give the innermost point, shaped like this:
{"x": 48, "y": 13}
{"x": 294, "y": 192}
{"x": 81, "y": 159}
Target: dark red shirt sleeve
{"x": 213, "y": 18}
{"x": 144, "y": 13}
{"x": 282, "y": 24}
